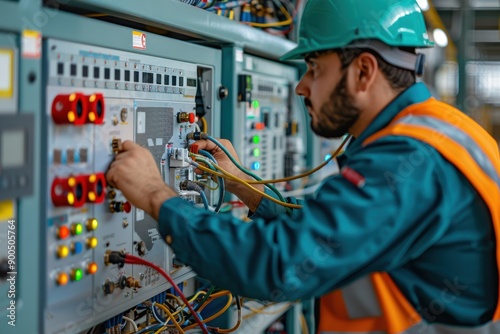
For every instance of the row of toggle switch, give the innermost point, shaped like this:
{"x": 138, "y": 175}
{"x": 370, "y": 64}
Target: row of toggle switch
{"x": 76, "y": 274}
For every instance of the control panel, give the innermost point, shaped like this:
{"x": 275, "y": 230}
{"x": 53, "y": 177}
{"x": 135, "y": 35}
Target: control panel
{"x": 96, "y": 98}
{"x": 266, "y": 106}
{"x": 266, "y": 136}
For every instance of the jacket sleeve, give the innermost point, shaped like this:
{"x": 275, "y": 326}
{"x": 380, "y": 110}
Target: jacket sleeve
{"x": 349, "y": 229}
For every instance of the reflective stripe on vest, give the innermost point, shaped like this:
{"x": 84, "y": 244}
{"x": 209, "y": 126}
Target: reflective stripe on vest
{"x": 475, "y": 154}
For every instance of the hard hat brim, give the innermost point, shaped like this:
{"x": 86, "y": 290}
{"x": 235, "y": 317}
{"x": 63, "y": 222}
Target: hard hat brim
{"x": 294, "y": 54}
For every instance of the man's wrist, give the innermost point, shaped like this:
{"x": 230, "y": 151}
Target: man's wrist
{"x": 157, "y": 198}
{"x": 249, "y": 197}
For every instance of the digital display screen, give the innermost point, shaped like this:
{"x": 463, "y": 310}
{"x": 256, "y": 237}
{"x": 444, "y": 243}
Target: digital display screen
{"x": 12, "y": 148}
{"x": 191, "y": 82}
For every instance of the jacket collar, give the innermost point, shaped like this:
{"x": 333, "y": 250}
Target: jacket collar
{"x": 416, "y": 93}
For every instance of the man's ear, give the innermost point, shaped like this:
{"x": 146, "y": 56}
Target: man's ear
{"x": 366, "y": 66}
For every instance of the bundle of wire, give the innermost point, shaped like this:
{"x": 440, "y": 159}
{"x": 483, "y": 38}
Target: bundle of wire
{"x": 131, "y": 259}
{"x": 207, "y": 165}
{"x": 182, "y": 303}
{"x": 278, "y": 15}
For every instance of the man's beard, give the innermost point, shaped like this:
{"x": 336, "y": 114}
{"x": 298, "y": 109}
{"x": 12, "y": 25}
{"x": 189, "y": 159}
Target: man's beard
{"x": 337, "y": 115}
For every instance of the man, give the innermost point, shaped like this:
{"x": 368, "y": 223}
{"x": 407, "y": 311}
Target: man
{"x": 404, "y": 239}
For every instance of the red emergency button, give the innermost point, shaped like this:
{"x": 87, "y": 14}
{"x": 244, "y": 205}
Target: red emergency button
{"x": 127, "y": 207}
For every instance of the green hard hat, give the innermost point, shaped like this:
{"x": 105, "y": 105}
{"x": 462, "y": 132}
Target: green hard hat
{"x": 332, "y": 24}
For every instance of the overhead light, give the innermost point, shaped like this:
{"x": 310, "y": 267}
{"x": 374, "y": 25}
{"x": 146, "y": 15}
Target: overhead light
{"x": 440, "y": 38}
{"x": 424, "y": 4}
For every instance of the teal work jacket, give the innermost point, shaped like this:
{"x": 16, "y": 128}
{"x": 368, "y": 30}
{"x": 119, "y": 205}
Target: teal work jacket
{"x": 414, "y": 216}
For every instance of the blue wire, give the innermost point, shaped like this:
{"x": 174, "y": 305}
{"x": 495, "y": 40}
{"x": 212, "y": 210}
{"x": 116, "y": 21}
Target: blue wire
{"x": 222, "y": 190}
{"x": 212, "y": 139}
{"x": 204, "y": 198}
{"x": 156, "y": 315}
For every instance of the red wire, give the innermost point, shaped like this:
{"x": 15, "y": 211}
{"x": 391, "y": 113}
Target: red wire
{"x": 131, "y": 259}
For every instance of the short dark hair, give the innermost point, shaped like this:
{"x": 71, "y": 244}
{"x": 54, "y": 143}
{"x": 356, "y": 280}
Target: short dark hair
{"x": 397, "y": 77}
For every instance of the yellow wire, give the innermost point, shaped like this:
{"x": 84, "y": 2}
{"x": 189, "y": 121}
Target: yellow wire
{"x": 216, "y": 315}
{"x": 238, "y": 323}
{"x": 230, "y": 176}
{"x": 314, "y": 170}
{"x": 197, "y": 295}
{"x": 261, "y": 310}
{"x": 303, "y": 324}
{"x": 179, "y": 302}
{"x": 171, "y": 316}
{"x": 248, "y": 184}
{"x": 214, "y": 296}
{"x": 287, "y": 22}
{"x": 204, "y": 125}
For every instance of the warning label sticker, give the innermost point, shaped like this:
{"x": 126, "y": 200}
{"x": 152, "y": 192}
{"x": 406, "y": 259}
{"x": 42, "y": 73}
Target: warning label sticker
{"x": 138, "y": 40}
{"x": 31, "y": 44}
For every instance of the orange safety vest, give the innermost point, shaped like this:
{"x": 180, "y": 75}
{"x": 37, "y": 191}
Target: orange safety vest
{"x": 374, "y": 303}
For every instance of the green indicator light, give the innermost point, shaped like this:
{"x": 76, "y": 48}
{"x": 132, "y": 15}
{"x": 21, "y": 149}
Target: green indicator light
{"x": 255, "y": 104}
{"x": 78, "y": 229}
{"x": 78, "y": 274}
{"x": 256, "y": 153}
{"x": 256, "y": 139}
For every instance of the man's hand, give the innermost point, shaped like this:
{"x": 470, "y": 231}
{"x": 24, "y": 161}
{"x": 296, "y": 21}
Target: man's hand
{"x": 134, "y": 171}
{"x": 248, "y": 197}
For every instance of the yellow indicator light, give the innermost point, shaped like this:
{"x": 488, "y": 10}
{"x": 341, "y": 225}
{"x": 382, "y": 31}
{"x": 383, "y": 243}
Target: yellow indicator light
{"x": 62, "y": 279}
{"x": 92, "y": 242}
{"x": 62, "y": 252}
{"x": 92, "y": 178}
{"x": 92, "y": 268}
{"x": 92, "y": 224}
{"x": 71, "y": 116}
{"x": 71, "y": 181}
{"x": 71, "y": 198}
{"x": 91, "y": 196}
{"x": 92, "y": 116}
{"x": 72, "y": 97}
{"x": 92, "y": 98}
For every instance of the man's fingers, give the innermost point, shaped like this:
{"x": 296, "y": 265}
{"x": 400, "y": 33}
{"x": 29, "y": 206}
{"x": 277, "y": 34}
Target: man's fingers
{"x": 206, "y": 145}
{"x": 127, "y": 145}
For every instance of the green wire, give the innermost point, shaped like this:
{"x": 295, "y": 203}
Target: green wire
{"x": 205, "y": 298}
{"x": 276, "y": 191}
